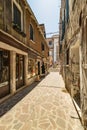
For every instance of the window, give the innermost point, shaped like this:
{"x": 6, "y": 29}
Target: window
{"x": 44, "y": 34}
{"x": 31, "y": 67}
{"x": 42, "y": 47}
{"x": 31, "y": 33}
{"x": 4, "y": 66}
{"x": 4, "y": 72}
{"x": 67, "y": 11}
{"x": 73, "y": 4}
{"x": 48, "y": 53}
{"x": 80, "y": 19}
{"x": 67, "y": 56}
{"x": 50, "y": 43}
{"x": 17, "y": 16}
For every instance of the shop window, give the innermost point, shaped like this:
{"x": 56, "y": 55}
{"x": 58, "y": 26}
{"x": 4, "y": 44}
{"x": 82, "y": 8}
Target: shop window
{"x": 31, "y": 68}
{"x": 4, "y": 67}
{"x": 19, "y": 70}
{"x": 31, "y": 33}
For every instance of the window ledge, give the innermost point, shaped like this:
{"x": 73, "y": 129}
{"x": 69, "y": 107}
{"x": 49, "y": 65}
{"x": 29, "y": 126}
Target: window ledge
{"x": 32, "y": 41}
{"x": 17, "y": 29}
{"x": 67, "y": 66}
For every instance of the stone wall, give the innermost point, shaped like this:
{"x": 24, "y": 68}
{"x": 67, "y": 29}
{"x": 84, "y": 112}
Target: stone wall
{"x": 75, "y": 40}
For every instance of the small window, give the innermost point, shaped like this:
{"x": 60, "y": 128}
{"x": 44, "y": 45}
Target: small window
{"x": 31, "y": 33}
{"x": 17, "y": 16}
{"x": 50, "y": 43}
{"x": 48, "y": 53}
{"x": 42, "y": 47}
{"x": 67, "y": 56}
{"x": 73, "y": 4}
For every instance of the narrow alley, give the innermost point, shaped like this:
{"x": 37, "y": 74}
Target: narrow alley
{"x": 45, "y": 106}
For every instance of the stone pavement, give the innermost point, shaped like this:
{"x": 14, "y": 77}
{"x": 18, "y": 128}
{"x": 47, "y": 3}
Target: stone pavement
{"x": 47, "y": 107}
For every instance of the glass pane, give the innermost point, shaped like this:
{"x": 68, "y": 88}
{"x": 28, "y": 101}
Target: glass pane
{"x": 31, "y": 68}
{"x": 4, "y": 67}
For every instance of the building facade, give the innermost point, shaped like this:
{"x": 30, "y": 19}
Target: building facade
{"x": 56, "y": 49}
{"x": 53, "y": 43}
{"x": 73, "y": 52}
{"x": 21, "y": 55}
{"x": 51, "y": 48}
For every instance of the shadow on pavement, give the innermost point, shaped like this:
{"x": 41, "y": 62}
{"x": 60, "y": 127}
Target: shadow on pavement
{"x": 12, "y": 101}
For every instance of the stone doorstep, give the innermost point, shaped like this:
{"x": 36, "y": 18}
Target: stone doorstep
{"x": 77, "y": 109}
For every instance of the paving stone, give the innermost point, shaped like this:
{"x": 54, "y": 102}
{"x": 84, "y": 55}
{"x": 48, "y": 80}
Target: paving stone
{"x": 70, "y": 128}
{"x": 44, "y": 125}
{"x": 2, "y": 127}
{"x": 53, "y": 123}
{"x": 62, "y": 123}
{"x": 23, "y": 117}
{"x": 18, "y": 126}
{"x": 27, "y": 126}
{"x": 47, "y": 107}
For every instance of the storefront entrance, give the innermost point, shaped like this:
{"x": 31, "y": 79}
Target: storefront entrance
{"x": 19, "y": 71}
{"x": 4, "y": 72}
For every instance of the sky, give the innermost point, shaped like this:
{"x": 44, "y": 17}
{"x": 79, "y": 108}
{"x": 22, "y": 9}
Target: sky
{"x": 47, "y": 12}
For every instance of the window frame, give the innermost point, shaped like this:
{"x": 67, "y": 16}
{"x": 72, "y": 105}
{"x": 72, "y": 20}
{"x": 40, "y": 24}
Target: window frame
{"x": 21, "y": 11}
{"x": 31, "y": 30}
{"x": 67, "y": 56}
{"x": 50, "y": 42}
{"x": 31, "y": 67}
{"x": 42, "y": 46}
